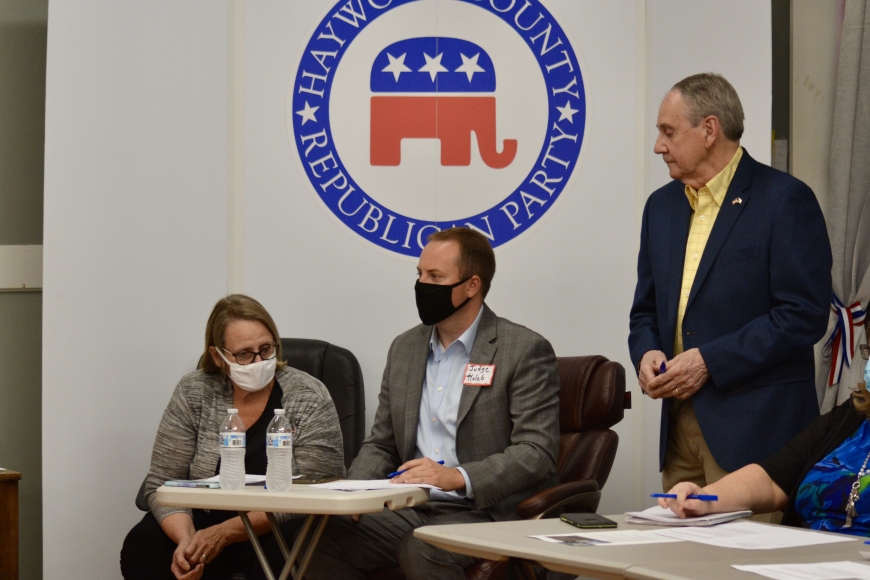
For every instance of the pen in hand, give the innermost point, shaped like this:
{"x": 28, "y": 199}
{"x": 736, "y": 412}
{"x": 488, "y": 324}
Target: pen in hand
{"x": 693, "y": 496}
{"x": 395, "y": 473}
{"x": 663, "y": 368}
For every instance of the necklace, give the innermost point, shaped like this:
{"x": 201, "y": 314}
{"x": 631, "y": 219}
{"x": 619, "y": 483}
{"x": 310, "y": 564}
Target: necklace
{"x": 851, "y": 512}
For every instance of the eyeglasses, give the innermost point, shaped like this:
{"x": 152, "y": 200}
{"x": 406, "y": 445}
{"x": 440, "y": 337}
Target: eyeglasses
{"x": 246, "y": 357}
{"x": 865, "y": 351}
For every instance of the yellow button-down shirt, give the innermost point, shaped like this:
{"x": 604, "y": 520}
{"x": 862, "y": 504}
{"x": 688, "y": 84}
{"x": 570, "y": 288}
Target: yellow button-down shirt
{"x": 705, "y": 204}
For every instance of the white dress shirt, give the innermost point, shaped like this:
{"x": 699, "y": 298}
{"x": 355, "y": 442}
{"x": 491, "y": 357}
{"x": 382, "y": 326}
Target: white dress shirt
{"x": 439, "y": 405}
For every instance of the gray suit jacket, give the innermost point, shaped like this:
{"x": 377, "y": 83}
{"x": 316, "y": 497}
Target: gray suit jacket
{"x": 507, "y": 435}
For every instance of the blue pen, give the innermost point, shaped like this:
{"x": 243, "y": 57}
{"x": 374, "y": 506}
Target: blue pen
{"x": 662, "y": 368}
{"x": 395, "y": 473}
{"x": 674, "y": 496}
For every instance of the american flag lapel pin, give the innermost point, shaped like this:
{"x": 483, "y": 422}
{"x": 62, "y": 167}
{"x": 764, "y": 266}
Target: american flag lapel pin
{"x": 736, "y": 201}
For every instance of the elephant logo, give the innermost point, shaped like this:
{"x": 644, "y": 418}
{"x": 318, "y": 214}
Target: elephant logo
{"x": 408, "y": 79}
{"x": 401, "y": 128}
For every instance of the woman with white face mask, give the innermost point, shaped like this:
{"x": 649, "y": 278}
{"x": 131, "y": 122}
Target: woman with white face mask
{"x": 241, "y": 368}
{"x": 819, "y": 479}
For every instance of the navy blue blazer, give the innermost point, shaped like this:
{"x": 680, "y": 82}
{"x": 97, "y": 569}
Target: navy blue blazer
{"x": 759, "y": 302}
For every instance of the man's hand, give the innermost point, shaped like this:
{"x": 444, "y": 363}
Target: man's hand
{"x": 685, "y": 507}
{"x": 649, "y": 367}
{"x": 686, "y": 374}
{"x": 427, "y": 471}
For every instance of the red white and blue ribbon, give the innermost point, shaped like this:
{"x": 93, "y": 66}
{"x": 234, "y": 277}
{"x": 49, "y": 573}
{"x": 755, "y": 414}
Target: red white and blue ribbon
{"x": 842, "y": 340}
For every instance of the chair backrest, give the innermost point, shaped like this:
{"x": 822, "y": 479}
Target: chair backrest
{"x": 338, "y": 369}
{"x": 592, "y": 399}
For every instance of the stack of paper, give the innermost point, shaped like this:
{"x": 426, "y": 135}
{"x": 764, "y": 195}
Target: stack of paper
{"x": 753, "y": 536}
{"x": 365, "y": 484}
{"x": 820, "y": 571}
{"x": 659, "y": 516}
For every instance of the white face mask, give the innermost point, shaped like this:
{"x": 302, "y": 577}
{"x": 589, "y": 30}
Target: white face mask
{"x": 253, "y": 377}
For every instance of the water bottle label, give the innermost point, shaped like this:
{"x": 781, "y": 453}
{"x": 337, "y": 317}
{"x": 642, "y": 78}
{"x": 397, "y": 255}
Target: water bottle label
{"x": 279, "y": 440}
{"x": 232, "y": 439}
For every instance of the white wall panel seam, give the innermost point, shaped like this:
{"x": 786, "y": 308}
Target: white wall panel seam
{"x": 638, "y": 416}
{"x": 236, "y": 148}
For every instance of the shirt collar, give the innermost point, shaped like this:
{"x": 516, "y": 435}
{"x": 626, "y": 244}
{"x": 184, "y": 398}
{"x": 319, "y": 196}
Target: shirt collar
{"x": 718, "y": 186}
{"x": 466, "y": 339}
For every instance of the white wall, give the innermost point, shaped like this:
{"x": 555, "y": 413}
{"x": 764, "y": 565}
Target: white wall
{"x": 137, "y": 239}
{"x": 135, "y": 246}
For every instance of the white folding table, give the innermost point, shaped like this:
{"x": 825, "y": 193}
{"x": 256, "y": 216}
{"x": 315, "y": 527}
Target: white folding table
{"x": 301, "y": 499}
{"x": 671, "y": 561}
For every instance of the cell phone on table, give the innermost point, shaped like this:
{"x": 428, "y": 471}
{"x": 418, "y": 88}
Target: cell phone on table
{"x": 588, "y": 521}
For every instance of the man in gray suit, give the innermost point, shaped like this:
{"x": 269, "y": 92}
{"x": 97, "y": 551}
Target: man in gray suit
{"x": 468, "y": 388}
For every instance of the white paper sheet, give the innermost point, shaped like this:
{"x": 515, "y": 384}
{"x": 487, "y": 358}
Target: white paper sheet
{"x": 819, "y": 571}
{"x": 364, "y": 484}
{"x": 752, "y": 536}
{"x": 659, "y": 516}
{"x": 612, "y": 538}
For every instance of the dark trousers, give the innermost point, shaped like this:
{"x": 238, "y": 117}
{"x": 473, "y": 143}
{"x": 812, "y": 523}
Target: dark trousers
{"x": 147, "y": 551}
{"x": 386, "y": 539}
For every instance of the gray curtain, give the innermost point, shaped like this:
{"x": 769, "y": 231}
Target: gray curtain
{"x": 849, "y": 202}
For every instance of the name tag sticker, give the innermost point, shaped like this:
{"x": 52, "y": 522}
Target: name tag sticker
{"x": 478, "y": 375}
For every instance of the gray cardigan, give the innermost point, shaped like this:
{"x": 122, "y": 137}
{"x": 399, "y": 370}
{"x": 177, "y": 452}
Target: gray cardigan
{"x": 187, "y": 442}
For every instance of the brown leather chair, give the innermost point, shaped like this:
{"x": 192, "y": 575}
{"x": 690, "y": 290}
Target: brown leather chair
{"x": 592, "y": 400}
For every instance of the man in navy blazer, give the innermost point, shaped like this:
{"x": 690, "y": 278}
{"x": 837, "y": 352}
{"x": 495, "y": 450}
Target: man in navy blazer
{"x": 733, "y": 290}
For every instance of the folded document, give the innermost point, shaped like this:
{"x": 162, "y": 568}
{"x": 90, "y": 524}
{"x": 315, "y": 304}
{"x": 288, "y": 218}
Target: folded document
{"x": 659, "y": 516}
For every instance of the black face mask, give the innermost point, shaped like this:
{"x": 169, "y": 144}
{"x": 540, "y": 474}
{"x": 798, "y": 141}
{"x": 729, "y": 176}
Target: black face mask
{"x": 435, "y": 301}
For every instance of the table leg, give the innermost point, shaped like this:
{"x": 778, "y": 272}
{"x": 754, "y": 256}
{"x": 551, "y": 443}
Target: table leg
{"x": 312, "y": 545}
{"x": 279, "y": 537}
{"x": 255, "y": 541}
{"x": 297, "y": 547}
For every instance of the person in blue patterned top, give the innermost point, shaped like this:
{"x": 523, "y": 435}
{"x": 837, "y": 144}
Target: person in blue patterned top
{"x": 820, "y": 497}
{"x": 819, "y": 478}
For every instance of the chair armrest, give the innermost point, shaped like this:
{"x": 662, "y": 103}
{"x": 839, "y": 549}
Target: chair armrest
{"x": 582, "y": 495}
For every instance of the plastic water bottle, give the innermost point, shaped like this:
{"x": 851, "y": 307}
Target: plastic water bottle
{"x": 279, "y": 453}
{"x": 232, "y": 474}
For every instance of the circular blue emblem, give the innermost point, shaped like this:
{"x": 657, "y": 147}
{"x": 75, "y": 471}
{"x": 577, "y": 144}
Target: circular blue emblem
{"x": 413, "y": 116}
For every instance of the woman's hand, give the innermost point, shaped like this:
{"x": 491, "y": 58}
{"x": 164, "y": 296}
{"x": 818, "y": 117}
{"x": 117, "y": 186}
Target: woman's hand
{"x": 685, "y": 507}
{"x": 198, "y": 548}
{"x": 206, "y": 545}
{"x": 181, "y": 567}
{"x": 179, "y": 528}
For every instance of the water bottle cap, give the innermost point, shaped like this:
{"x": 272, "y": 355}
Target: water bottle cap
{"x": 233, "y": 411}
{"x": 280, "y": 412}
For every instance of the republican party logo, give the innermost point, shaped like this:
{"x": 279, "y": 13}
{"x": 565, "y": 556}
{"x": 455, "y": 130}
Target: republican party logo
{"x": 412, "y": 116}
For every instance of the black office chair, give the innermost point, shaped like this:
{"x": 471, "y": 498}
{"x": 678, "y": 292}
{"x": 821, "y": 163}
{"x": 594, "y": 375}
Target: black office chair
{"x": 339, "y": 370}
